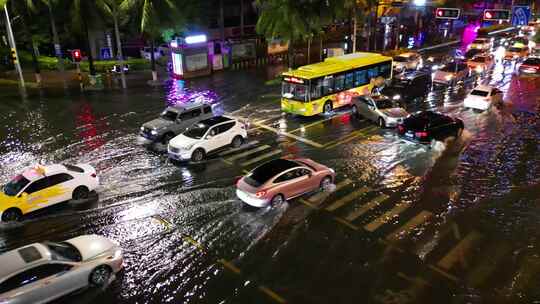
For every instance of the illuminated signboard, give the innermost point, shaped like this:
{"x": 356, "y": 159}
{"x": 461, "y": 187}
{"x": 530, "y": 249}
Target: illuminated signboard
{"x": 178, "y": 69}
{"x": 294, "y": 80}
{"x": 447, "y": 13}
{"x": 496, "y": 15}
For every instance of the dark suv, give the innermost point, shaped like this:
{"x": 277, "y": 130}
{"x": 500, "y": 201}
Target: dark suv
{"x": 427, "y": 127}
{"x": 408, "y": 86}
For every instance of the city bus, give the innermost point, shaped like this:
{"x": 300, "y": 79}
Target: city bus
{"x": 324, "y": 86}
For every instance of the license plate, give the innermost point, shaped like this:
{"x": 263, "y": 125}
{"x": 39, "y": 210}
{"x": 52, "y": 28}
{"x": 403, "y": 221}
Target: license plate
{"x": 409, "y": 135}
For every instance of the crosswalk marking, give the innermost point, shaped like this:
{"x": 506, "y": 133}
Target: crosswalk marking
{"x": 298, "y": 138}
{"x": 386, "y": 217}
{"x": 234, "y": 150}
{"x": 350, "y": 137}
{"x": 458, "y": 253}
{"x": 488, "y": 265}
{"x": 348, "y": 198}
{"x": 406, "y": 229}
{"x": 248, "y": 152}
{"x": 319, "y": 197}
{"x": 261, "y": 157}
{"x": 365, "y": 208}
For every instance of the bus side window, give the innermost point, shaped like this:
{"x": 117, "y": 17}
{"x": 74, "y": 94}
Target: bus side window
{"x": 385, "y": 69}
{"x": 360, "y": 78}
{"x": 373, "y": 72}
{"x": 316, "y": 87}
{"x": 339, "y": 83}
{"x": 349, "y": 80}
{"x": 328, "y": 86}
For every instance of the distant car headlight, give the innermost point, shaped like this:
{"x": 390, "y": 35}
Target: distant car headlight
{"x": 396, "y": 97}
{"x": 434, "y": 67}
{"x": 479, "y": 69}
{"x": 449, "y": 77}
{"x": 142, "y": 128}
{"x": 153, "y": 132}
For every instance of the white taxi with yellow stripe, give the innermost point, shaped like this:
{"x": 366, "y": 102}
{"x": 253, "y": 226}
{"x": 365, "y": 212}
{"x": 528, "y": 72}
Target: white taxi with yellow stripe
{"x": 43, "y": 186}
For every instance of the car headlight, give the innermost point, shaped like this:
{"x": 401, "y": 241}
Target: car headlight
{"x": 479, "y": 69}
{"x": 153, "y": 132}
{"x": 449, "y": 77}
{"x": 142, "y": 128}
{"x": 434, "y": 67}
{"x": 396, "y": 97}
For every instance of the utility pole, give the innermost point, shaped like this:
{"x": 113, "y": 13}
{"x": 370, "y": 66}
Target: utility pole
{"x": 13, "y": 48}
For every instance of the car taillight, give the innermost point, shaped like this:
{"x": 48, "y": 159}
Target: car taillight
{"x": 400, "y": 128}
{"x": 93, "y": 175}
{"x": 421, "y": 134}
{"x": 260, "y": 194}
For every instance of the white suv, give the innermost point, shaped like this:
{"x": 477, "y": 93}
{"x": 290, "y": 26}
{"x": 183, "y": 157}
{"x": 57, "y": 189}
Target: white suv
{"x": 207, "y": 136}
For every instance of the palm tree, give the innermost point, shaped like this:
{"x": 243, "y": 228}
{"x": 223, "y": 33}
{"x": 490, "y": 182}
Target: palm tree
{"x": 83, "y": 11}
{"x": 292, "y": 21}
{"x": 50, "y": 4}
{"x": 111, "y": 8}
{"x": 24, "y": 11}
{"x": 154, "y": 15}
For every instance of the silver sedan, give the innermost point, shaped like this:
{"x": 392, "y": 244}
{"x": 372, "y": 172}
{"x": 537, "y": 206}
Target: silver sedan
{"x": 42, "y": 272}
{"x": 380, "y": 109}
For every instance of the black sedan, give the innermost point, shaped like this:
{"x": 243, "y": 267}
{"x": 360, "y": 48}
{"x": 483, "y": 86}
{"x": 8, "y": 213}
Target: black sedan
{"x": 427, "y": 127}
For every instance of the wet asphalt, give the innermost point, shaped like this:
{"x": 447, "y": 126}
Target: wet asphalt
{"x": 404, "y": 223}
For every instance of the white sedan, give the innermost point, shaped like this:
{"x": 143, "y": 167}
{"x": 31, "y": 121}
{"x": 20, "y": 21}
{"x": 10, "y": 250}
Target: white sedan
{"x": 42, "y": 272}
{"x": 483, "y": 97}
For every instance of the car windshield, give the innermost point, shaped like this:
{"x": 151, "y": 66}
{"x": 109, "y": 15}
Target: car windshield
{"x": 294, "y": 91}
{"x": 479, "y": 93}
{"x": 479, "y": 59}
{"x": 196, "y": 131}
{"x": 169, "y": 115}
{"x": 64, "y": 252}
{"x": 532, "y": 61}
{"x": 401, "y": 59}
{"x": 15, "y": 185}
{"x": 514, "y": 49}
{"x": 384, "y": 104}
{"x": 451, "y": 67}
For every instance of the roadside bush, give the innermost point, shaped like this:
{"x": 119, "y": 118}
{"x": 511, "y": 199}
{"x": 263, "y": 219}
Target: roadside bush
{"x": 135, "y": 64}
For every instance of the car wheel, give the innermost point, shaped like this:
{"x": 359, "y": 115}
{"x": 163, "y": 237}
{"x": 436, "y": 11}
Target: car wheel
{"x": 80, "y": 192}
{"x": 198, "y": 155}
{"x": 326, "y": 182}
{"x": 381, "y": 122}
{"x": 11, "y": 215}
{"x": 166, "y": 138}
{"x": 327, "y": 108}
{"x": 237, "y": 141}
{"x": 277, "y": 200}
{"x": 100, "y": 276}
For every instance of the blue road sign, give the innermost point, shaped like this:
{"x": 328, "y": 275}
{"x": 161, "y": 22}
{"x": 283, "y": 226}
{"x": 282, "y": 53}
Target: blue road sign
{"x": 106, "y": 53}
{"x": 521, "y": 15}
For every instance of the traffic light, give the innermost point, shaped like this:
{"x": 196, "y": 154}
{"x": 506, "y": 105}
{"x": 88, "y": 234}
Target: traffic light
{"x": 14, "y": 56}
{"x": 496, "y": 15}
{"x": 447, "y": 13}
{"x": 76, "y": 55}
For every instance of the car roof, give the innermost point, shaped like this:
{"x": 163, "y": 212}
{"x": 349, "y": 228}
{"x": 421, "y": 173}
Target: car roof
{"x": 483, "y": 87}
{"x": 180, "y": 107}
{"x": 215, "y": 120}
{"x": 412, "y": 74}
{"x": 18, "y": 259}
{"x": 39, "y": 171}
{"x": 275, "y": 167}
{"x": 408, "y": 54}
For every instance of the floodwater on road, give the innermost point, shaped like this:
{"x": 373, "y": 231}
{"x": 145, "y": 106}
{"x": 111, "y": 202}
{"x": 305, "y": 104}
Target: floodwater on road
{"x": 453, "y": 223}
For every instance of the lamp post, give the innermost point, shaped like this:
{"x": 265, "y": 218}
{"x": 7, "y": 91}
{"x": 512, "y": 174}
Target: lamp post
{"x": 13, "y": 46}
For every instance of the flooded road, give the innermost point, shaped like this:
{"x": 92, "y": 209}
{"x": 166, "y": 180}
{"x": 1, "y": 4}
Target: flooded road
{"x": 455, "y": 223}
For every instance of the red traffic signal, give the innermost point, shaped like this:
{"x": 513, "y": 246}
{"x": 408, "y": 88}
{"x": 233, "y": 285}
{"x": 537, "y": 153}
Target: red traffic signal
{"x": 76, "y": 55}
{"x": 497, "y": 15}
{"x": 447, "y": 13}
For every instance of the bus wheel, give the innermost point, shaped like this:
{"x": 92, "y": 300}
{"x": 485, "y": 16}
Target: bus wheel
{"x": 327, "y": 107}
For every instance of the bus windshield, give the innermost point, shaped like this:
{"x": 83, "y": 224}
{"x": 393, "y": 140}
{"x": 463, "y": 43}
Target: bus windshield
{"x": 294, "y": 91}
